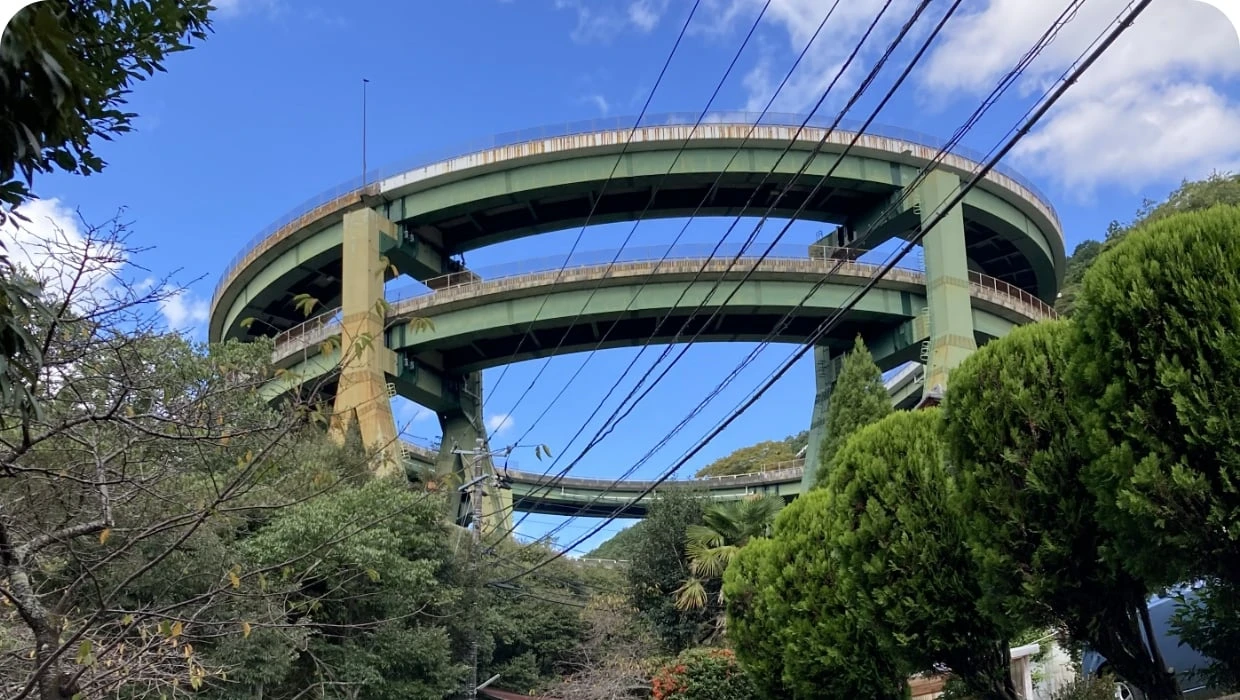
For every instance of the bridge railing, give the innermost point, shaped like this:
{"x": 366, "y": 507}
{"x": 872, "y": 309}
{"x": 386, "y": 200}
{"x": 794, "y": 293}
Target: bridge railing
{"x": 317, "y": 329}
{"x": 600, "y": 258}
{"x": 356, "y": 186}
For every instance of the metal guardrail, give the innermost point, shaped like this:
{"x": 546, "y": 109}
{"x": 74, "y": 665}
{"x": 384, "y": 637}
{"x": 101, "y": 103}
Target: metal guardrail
{"x": 327, "y": 323}
{"x": 355, "y": 186}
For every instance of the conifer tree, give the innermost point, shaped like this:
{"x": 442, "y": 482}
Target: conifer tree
{"x": 858, "y": 399}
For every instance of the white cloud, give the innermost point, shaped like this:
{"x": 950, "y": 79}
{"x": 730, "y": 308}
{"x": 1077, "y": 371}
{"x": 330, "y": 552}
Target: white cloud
{"x": 798, "y": 19}
{"x": 499, "y": 423}
{"x": 600, "y": 102}
{"x": 645, "y": 14}
{"x": 407, "y": 413}
{"x": 182, "y": 312}
{"x": 235, "y": 8}
{"x": 1150, "y": 109}
{"x": 600, "y": 21}
{"x": 53, "y": 246}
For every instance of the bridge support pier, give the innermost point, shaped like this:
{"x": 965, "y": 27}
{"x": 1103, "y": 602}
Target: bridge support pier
{"x": 462, "y": 426}
{"x": 947, "y": 284}
{"x": 363, "y": 395}
{"x": 826, "y": 369}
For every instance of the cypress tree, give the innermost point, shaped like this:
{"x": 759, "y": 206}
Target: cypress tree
{"x": 857, "y": 400}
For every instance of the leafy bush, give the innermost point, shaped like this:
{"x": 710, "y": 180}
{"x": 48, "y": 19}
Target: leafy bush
{"x": 703, "y": 674}
{"x": 1088, "y": 688}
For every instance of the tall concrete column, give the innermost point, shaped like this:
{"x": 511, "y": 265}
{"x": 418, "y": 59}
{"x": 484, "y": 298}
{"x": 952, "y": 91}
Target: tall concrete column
{"x": 362, "y": 396}
{"x": 826, "y": 369}
{"x": 947, "y": 284}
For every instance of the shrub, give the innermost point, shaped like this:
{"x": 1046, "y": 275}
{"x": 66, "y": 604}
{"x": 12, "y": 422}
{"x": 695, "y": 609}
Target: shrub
{"x": 703, "y": 674}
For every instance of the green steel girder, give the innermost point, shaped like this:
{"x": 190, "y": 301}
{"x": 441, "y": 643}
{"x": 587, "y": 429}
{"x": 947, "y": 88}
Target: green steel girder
{"x": 480, "y": 205}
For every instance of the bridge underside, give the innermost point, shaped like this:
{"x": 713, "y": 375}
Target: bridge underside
{"x": 471, "y": 212}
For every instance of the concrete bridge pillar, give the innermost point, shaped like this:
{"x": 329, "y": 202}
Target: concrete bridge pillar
{"x": 462, "y": 425}
{"x": 947, "y": 284}
{"x": 826, "y": 369}
{"x": 363, "y": 396}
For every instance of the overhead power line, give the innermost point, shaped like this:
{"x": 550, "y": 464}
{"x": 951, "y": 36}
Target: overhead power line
{"x": 619, "y": 159}
{"x": 616, "y": 416}
{"x": 1072, "y": 76}
{"x": 1003, "y": 85}
{"x": 792, "y": 142}
{"x": 1006, "y": 82}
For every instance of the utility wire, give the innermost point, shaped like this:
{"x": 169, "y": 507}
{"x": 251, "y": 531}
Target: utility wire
{"x": 792, "y": 142}
{"x": 632, "y": 230}
{"x": 594, "y": 205}
{"x": 779, "y": 325}
{"x": 1048, "y": 37}
{"x": 701, "y": 204}
{"x": 919, "y": 233}
{"x": 613, "y": 420}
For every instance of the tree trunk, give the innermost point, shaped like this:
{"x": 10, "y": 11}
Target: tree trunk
{"x": 1122, "y": 640}
{"x": 992, "y": 673}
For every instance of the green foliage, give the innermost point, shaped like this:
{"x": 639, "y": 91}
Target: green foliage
{"x": 857, "y": 400}
{"x": 360, "y": 573}
{"x": 726, "y": 528}
{"x": 20, "y": 355}
{"x": 621, "y": 545}
{"x": 66, "y": 67}
{"x": 660, "y": 564}
{"x": 1012, "y": 434}
{"x": 1087, "y": 688}
{"x": 1158, "y": 354}
{"x": 1210, "y": 623}
{"x": 1218, "y": 188}
{"x": 703, "y": 674}
{"x": 757, "y": 458}
{"x": 891, "y": 511}
{"x": 790, "y": 623}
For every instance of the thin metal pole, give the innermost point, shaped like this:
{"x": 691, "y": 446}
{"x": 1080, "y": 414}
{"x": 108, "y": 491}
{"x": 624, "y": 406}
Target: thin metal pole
{"x": 476, "y": 504}
{"x": 365, "y": 82}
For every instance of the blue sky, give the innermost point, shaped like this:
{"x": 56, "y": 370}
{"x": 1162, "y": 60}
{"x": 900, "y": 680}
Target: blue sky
{"x": 267, "y": 112}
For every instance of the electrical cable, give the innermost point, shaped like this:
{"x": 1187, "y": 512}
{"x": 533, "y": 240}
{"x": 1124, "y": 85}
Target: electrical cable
{"x": 1068, "y": 14}
{"x": 791, "y": 144}
{"x": 920, "y": 231}
{"x": 818, "y": 147}
{"x": 636, "y": 222}
{"x": 619, "y": 159}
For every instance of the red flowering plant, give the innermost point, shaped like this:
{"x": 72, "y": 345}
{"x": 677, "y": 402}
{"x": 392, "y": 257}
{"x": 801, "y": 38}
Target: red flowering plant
{"x": 703, "y": 674}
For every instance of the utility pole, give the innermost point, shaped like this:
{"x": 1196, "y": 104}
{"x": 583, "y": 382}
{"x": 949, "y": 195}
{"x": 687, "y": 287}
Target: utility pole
{"x": 476, "y": 488}
{"x": 365, "y": 82}
{"x": 476, "y": 504}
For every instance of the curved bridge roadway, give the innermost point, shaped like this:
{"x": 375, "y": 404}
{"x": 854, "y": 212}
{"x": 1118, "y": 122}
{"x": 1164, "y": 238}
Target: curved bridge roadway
{"x": 991, "y": 263}
{"x": 454, "y": 205}
{"x": 479, "y": 324}
{"x": 601, "y": 497}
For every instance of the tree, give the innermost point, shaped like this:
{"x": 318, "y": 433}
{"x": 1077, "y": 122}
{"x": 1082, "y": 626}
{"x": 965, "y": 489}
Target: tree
{"x": 126, "y": 498}
{"x": 622, "y": 544}
{"x": 792, "y": 628}
{"x": 1012, "y": 428}
{"x": 660, "y": 564}
{"x": 1218, "y": 188}
{"x": 757, "y": 458}
{"x": 857, "y": 399}
{"x": 1158, "y": 354}
{"x": 703, "y": 674}
{"x": 1210, "y": 623}
{"x": 367, "y": 616}
{"x": 617, "y": 656}
{"x": 725, "y": 529}
{"x": 904, "y": 567}
{"x": 65, "y": 69}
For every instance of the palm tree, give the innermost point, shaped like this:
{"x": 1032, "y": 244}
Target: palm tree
{"x": 726, "y": 528}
